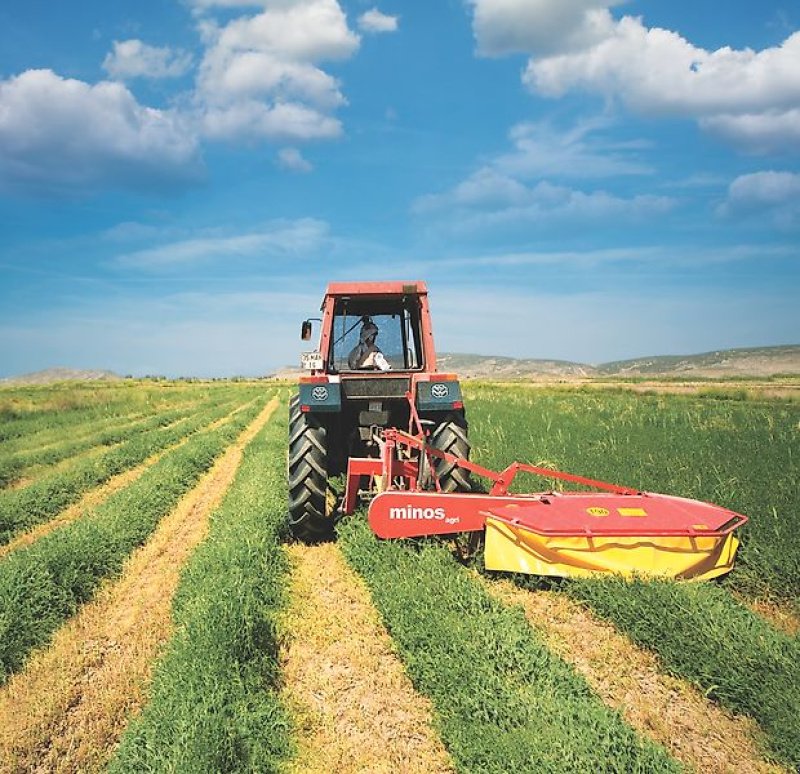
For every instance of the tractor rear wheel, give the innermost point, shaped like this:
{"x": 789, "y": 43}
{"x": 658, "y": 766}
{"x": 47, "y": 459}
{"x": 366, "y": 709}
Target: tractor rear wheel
{"x": 450, "y": 436}
{"x": 308, "y": 519}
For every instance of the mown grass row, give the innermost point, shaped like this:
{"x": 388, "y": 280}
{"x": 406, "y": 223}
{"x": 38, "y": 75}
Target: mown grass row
{"x": 24, "y": 508}
{"x": 26, "y": 411}
{"x": 503, "y": 702}
{"x": 700, "y": 633}
{"x": 57, "y": 436}
{"x": 43, "y": 584}
{"x": 722, "y": 452}
{"x": 35, "y": 411}
{"x": 46, "y": 427}
{"x": 213, "y": 704}
{"x": 14, "y": 466}
{"x": 739, "y": 454}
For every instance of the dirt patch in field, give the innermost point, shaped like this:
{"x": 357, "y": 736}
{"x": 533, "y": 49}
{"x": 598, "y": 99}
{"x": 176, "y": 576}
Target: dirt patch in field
{"x": 777, "y": 614}
{"x": 67, "y": 710}
{"x": 353, "y": 702}
{"x": 670, "y": 711}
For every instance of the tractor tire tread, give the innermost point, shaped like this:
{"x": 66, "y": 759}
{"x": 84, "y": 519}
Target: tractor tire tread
{"x": 307, "y": 477}
{"x": 451, "y": 436}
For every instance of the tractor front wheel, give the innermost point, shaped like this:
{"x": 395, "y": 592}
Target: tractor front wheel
{"x": 308, "y": 519}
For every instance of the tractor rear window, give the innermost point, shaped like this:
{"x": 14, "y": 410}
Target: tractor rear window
{"x": 397, "y": 338}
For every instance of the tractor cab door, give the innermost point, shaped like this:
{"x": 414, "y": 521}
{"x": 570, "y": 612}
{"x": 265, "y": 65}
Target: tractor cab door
{"x": 399, "y": 336}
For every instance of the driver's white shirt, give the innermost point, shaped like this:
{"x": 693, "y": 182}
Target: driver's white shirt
{"x": 375, "y": 359}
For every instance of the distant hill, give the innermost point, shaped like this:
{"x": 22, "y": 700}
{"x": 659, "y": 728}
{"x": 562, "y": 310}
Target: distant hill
{"x": 495, "y": 366}
{"x": 753, "y": 362}
{"x": 741, "y": 362}
{"x": 61, "y": 375}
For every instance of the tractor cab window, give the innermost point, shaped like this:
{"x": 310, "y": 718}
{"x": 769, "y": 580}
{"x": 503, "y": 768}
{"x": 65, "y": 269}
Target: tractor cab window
{"x": 398, "y": 337}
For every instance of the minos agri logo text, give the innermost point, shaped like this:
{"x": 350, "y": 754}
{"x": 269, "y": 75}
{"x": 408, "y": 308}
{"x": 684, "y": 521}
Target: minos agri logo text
{"x": 410, "y": 512}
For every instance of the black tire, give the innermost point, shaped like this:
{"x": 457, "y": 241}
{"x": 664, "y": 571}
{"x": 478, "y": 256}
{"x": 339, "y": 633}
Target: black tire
{"x": 450, "y": 436}
{"x": 308, "y": 477}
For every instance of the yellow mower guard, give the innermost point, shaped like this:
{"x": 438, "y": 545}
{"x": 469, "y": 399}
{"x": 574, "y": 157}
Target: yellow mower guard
{"x": 511, "y": 548}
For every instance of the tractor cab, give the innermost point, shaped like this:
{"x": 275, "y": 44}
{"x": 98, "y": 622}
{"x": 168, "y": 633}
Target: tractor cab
{"x": 349, "y": 394}
{"x": 392, "y": 328}
{"x": 398, "y": 310}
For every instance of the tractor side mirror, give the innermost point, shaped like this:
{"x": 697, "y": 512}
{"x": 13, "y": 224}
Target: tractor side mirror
{"x": 305, "y": 332}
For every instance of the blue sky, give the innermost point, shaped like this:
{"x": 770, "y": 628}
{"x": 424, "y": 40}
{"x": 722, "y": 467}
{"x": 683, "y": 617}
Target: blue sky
{"x": 576, "y": 179}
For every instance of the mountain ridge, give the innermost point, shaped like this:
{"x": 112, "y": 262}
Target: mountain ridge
{"x": 737, "y": 362}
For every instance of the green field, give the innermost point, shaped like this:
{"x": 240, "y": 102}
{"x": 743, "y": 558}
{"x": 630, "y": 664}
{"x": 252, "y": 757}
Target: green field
{"x": 501, "y": 698}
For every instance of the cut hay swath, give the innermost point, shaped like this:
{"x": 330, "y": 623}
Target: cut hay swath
{"x": 503, "y": 691}
{"x": 43, "y": 584}
{"x": 503, "y": 701}
{"x": 35, "y": 415}
{"x": 26, "y": 464}
{"x": 214, "y": 702}
{"x": 703, "y": 634}
{"x": 67, "y": 709}
{"x": 353, "y": 704}
{"x": 24, "y": 508}
{"x": 741, "y": 454}
{"x": 673, "y": 712}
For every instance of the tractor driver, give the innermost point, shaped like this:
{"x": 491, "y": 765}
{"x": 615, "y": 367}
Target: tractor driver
{"x": 366, "y": 354}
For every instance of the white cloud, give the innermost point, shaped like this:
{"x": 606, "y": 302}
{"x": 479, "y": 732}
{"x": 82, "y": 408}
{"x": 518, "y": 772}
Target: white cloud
{"x": 58, "y": 133}
{"x": 304, "y": 30}
{"x": 257, "y": 120}
{"x": 749, "y": 97}
{"x": 542, "y": 152}
{"x": 275, "y": 240}
{"x": 293, "y": 160}
{"x": 375, "y": 21}
{"x": 657, "y": 71}
{"x": 518, "y": 187}
{"x": 775, "y": 195}
{"x": 484, "y": 188}
{"x": 242, "y": 74}
{"x": 488, "y": 200}
{"x": 539, "y": 26}
{"x": 260, "y": 76}
{"x": 541, "y": 149}
{"x": 135, "y": 59}
{"x": 769, "y": 132}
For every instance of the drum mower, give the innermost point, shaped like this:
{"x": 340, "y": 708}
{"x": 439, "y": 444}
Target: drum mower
{"x": 374, "y": 373}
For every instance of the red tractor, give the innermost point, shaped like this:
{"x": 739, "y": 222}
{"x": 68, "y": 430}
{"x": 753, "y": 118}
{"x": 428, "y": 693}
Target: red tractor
{"x": 374, "y": 408}
{"x": 374, "y": 368}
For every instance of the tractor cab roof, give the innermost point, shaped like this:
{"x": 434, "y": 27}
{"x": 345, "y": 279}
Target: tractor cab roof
{"x": 416, "y": 288}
